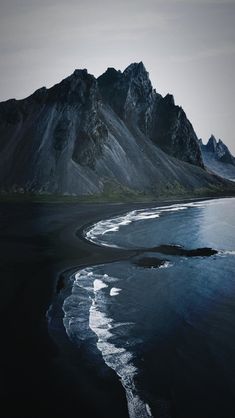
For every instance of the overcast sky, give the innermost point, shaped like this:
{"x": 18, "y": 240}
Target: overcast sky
{"x": 188, "y": 47}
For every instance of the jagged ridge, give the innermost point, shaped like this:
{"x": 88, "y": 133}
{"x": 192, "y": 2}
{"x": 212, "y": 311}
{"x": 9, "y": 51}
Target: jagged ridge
{"x": 86, "y": 136}
{"x": 218, "y": 158}
{"x": 132, "y": 97}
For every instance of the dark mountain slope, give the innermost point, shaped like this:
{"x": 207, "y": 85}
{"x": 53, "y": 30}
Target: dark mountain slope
{"x": 49, "y": 134}
{"x": 218, "y": 159}
{"x": 132, "y": 97}
{"x": 70, "y": 140}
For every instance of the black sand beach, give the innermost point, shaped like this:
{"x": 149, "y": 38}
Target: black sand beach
{"x": 41, "y": 377}
{"x": 42, "y": 373}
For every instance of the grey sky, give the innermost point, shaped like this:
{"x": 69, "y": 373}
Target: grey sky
{"x": 188, "y": 47}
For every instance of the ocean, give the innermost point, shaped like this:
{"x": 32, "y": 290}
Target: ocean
{"x": 164, "y": 319}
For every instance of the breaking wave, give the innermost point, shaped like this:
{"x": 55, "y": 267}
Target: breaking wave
{"x": 85, "y": 313}
{"x": 97, "y": 232}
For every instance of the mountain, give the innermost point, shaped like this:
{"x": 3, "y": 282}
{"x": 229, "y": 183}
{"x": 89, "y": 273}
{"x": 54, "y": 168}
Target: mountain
{"x": 110, "y": 135}
{"x": 131, "y": 95}
{"x": 218, "y": 159}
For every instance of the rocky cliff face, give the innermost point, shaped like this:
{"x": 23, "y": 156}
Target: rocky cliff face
{"x": 87, "y": 136}
{"x": 50, "y": 140}
{"x": 218, "y": 158}
{"x": 132, "y": 97}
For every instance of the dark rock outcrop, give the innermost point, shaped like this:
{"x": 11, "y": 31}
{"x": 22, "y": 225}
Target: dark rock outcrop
{"x": 173, "y": 132}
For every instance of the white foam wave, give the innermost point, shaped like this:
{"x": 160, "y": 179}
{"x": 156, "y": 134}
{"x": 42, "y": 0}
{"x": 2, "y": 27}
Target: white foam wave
{"x": 85, "y": 316}
{"x": 115, "y": 291}
{"x": 98, "y": 285}
{"x": 166, "y": 265}
{"x": 226, "y": 252}
{"x": 148, "y": 409}
{"x": 96, "y": 233}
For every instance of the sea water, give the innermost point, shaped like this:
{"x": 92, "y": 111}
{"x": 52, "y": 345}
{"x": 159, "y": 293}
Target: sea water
{"x": 168, "y": 332}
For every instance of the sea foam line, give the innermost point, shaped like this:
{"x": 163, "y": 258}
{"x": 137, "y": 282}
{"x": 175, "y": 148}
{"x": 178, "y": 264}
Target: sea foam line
{"x": 96, "y": 233}
{"x": 85, "y": 315}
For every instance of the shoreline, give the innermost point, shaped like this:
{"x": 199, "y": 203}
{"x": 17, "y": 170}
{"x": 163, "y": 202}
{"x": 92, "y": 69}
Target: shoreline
{"x": 105, "y": 255}
{"x": 45, "y": 375}
{"x": 45, "y": 378}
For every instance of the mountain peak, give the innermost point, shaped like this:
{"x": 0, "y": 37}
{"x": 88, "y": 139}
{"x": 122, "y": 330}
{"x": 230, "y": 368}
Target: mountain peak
{"x": 74, "y": 89}
{"x": 211, "y": 144}
{"x": 135, "y": 69}
{"x": 130, "y": 94}
{"x": 112, "y": 70}
{"x": 136, "y": 79}
{"x": 127, "y": 92}
{"x": 110, "y": 76}
{"x": 80, "y": 72}
{"x": 136, "y": 65}
{"x": 219, "y": 150}
{"x": 169, "y": 99}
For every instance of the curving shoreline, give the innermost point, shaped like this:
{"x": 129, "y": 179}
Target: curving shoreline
{"x": 45, "y": 375}
{"x": 80, "y": 304}
{"x": 86, "y": 283}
